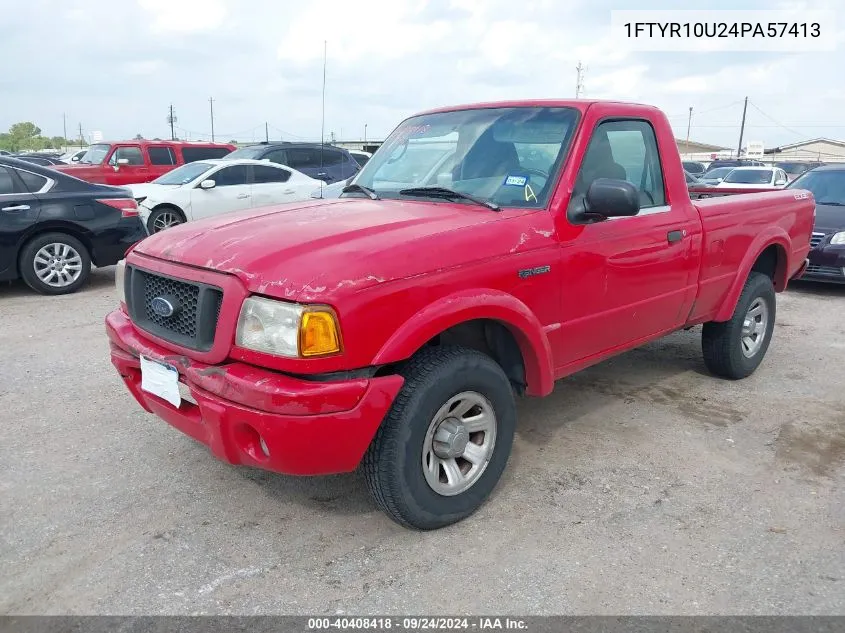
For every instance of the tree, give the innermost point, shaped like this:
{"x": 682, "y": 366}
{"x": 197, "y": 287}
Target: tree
{"x": 138, "y": 137}
{"x": 24, "y": 135}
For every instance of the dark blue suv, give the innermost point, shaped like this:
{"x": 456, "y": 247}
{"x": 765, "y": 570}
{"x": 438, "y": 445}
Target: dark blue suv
{"x": 323, "y": 162}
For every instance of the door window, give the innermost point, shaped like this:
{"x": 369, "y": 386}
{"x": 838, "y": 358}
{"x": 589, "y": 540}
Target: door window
{"x": 262, "y": 174}
{"x": 132, "y": 154}
{"x": 190, "y": 154}
{"x": 33, "y": 182}
{"x": 277, "y": 156}
{"x": 161, "y": 156}
{"x": 303, "y": 158}
{"x": 624, "y": 150}
{"x": 230, "y": 176}
{"x": 7, "y": 182}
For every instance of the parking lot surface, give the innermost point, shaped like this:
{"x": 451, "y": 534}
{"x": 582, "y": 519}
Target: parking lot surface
{"x": 641, "y": 486}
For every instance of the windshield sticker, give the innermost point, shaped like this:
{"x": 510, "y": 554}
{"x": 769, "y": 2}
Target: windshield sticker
{"x": 529, "y": 194}
{"x": 516, "y": 181}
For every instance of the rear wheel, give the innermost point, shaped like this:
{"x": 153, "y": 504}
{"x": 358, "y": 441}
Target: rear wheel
{"x": 735, "y": 348}
{"x": 444, "y": 445}
{"x": 163, "y": 218}
{"x": 55, "y": 264}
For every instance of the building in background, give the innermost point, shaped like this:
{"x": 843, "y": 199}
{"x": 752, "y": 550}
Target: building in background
{"x": 704, "y": 152}
{"x": 824, "y": 150}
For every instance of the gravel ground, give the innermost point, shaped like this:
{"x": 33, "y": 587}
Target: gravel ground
{"x": 641, "y": 486}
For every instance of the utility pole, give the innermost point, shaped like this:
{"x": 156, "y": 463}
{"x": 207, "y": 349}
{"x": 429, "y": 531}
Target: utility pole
{"x": 171, "y": 119}
{"x": 64, "y": 130}
{"x": 742, "y": 129}
{"x": 579, "y": 80}
{"x": 266, "y": 132}
{"x": 211, "y": 107}
{"x": 689, "y": 123}
{"x": 81, "y": 138}
{"x": 365, "y": 133}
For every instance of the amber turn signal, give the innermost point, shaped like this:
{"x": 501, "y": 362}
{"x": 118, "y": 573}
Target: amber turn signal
{"x": 318, "y": 333}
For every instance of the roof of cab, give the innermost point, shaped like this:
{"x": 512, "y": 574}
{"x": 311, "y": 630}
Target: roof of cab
{"x": 578, "y": 104}
{"x": 145, "y": 142}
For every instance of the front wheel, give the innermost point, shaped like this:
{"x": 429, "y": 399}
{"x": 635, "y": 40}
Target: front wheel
{"x": 163, "y": 218}
{"x": 445, "y": 442}
{"x": 55, "y": 264}
{"x": 735, "y": 348}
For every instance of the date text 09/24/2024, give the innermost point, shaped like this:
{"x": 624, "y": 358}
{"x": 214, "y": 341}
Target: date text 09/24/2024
{"x": 418, "y": 623}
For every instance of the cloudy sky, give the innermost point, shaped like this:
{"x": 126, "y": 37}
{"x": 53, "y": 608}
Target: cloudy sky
{"x": 116, "y": 66}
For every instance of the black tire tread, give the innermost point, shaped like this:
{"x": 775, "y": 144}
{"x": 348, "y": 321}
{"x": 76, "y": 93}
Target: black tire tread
{"x": 419, "y": 369}
{"x": 27, "y": 254}
{"x": 718, "y": 339}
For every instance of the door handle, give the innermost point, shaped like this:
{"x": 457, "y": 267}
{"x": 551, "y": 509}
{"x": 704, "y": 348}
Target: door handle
{"x": 287, "y": 191}
{"x": 675, "y": 236}
{"x": 19, "y": 207}
{"x": 241, "y": 196}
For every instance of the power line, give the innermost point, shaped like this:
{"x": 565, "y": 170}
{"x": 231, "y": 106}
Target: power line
{"x": 779, "y": 124}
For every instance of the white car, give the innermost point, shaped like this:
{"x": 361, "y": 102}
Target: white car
{"x": 361, "y": 157}
{"x": 211, "y": 187}
{"x": 73, "y": 157}
{"x": 754, "y": 178}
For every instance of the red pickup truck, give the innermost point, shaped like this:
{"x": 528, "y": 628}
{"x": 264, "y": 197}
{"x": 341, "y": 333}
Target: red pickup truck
{"x": 132, "y": 162}
{"x": 484, "y": 252}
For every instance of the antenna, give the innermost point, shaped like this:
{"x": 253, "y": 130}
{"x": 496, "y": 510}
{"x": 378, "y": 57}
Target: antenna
{"x": 580, "y": 69}
{"x": 323, "y": 116}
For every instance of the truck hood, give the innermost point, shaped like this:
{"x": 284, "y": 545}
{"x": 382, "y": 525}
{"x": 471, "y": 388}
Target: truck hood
{"x": 322, "y": 248}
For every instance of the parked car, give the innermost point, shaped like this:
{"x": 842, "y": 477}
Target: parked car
{"x": 38, "y": 159}
{"x": 392, "y": 327}
{"x": 53, "y": 226}
{"x": 361, "y": 157}
{"x": 827, "y": 257}
{"x": 795, "y": 169}
{"x": 734, "y": 162}
{"x": 211, "y": 187}
{"x": 754, "y": 178}
{"x": 714, "y": 176}
{"x": 130, "y": 162}
{"x": 73, "y": 157}
{"x": 3, "y": 152}
{"x": 694, "y": 168}
{"x": 323, "y": 162}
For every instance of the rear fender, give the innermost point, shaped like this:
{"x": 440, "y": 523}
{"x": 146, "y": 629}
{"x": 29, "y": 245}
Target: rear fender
{"x": 771, "y": 235}
{"x": 470, "y": 305}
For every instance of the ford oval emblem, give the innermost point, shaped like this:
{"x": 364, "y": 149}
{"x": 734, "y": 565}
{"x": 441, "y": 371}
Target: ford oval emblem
{"x": 162, "y": 307}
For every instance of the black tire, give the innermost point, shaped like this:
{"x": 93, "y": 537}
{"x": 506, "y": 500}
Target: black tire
{"x": 160, "y": 212}
{"x": 722, "y": 342}
{"x": 393, "y": 462}
{"x": 27, "y": 263}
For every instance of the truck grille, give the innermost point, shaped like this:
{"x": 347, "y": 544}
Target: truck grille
{"x": 824, "y": 270}
{"x": 194, "y": 308}
{"x": 816, "y": 239}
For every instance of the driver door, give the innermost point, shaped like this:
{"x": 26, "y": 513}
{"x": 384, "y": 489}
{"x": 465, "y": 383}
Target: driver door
{"x": 626, "y": 279}
{"x": 129, "y": 168}
{"x": 231, "y": 192}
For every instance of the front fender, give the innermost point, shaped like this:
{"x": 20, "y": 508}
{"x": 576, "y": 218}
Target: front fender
{"x": 469, "y": 305}
{"x": 771, "y": 235}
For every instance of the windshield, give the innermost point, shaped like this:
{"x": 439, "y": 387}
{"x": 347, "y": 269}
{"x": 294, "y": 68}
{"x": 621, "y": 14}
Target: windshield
{"x": 750, "y": 176}
{"x": 95, "y": 154}
{"x": 719, "y": 172}
{"x": 507, "y": 156}
{"x": 247, "y": 152}
{"x": 827, "y": 187}
{"x": 184, "y": 174}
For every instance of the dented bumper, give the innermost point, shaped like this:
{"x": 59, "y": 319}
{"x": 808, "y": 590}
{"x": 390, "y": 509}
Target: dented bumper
{"x": 260, "y": 418}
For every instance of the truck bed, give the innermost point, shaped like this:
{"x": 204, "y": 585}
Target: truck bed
{"x": 733, "y": 226}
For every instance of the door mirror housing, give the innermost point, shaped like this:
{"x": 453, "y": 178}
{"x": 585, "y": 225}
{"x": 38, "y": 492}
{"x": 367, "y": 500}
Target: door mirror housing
{"x": 608, "y": 198}
{"x": 122, "y": 161}
{"x": 208, "y": 184}
{"x": 75, "y": 159}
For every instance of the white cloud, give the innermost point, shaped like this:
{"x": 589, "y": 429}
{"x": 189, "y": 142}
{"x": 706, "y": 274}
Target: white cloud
{"x": 143, "y": 67}
{"x": 185, "y": 15}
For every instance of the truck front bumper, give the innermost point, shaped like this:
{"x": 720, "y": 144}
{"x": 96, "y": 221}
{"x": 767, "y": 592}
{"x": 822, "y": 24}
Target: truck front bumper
{"x": 260, "y": 418}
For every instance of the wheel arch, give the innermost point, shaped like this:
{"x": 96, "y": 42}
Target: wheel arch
{"x": 492, "y": 321}
{"x": 53, "y": 226}
{"x": 768, "y": 254}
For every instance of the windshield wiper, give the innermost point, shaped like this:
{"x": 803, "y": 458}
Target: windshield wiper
{"x": 830, "y": 203}
{"x": 372, "y": 195}
{"x": 444, "y": 192}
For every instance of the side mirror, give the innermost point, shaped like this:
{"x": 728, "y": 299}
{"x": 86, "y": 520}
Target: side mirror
{"x": 208, "y": 184}
{"x": 122, "y": 161}
{"x": 75, "y": 159}
{"x": 607, "y": 198}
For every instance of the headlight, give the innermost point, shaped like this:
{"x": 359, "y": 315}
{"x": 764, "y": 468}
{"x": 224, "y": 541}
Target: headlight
{"x": 119, "y": 277}
{"x": 287, "y": 329}
{"x": 838, "y": 238}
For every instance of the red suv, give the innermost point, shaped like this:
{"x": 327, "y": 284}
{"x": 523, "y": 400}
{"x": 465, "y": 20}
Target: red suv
{"x": 130, "y": 162}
